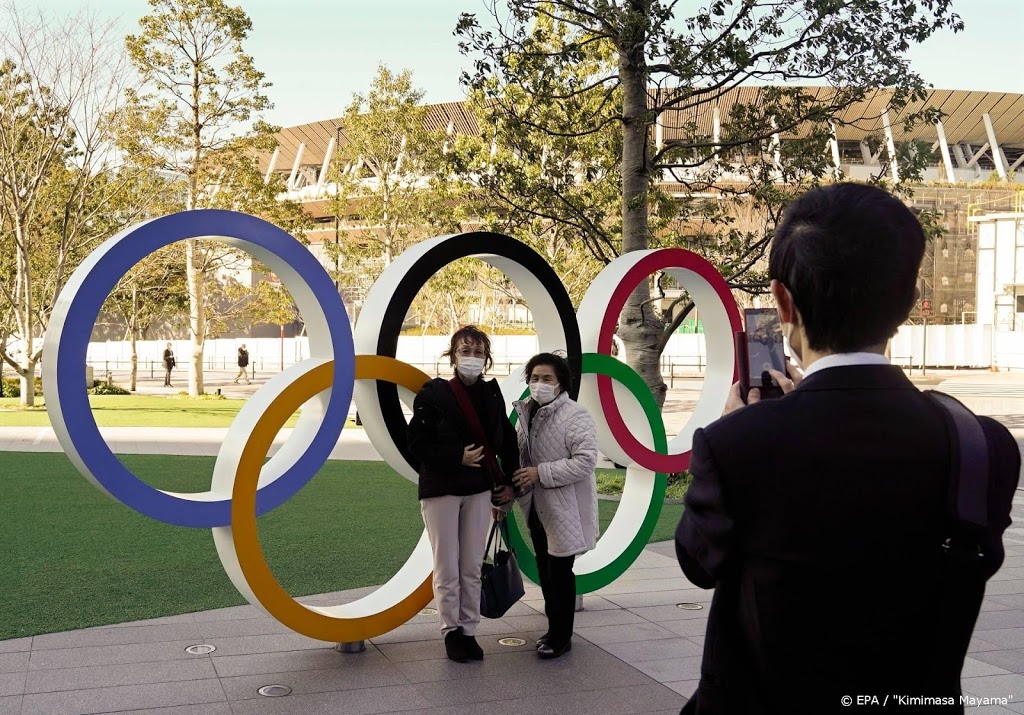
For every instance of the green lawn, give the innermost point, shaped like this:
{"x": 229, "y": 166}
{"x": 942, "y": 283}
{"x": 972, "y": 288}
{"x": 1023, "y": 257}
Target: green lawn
{"x": 75, "y": 558}
{"x": 134, "y": 411}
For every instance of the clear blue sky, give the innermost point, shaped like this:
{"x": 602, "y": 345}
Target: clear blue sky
{"x": 318, "y": 52}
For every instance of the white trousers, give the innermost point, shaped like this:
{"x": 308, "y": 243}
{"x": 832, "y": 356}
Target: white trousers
{"x": 458, "y": 528}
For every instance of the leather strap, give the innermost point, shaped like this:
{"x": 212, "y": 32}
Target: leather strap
{"x": 473, "y": 420}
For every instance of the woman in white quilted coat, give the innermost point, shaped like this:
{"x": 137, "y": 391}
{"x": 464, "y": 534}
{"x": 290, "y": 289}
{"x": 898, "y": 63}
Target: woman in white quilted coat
{"x": 557, "y": 452}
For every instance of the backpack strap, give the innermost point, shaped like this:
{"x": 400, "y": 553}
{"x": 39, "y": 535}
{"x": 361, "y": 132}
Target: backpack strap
{"x": 970, "y": 473}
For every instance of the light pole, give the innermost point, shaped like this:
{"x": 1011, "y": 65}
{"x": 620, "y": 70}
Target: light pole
{"x": 337, "y": 207}
{"x": 926, "y": 311}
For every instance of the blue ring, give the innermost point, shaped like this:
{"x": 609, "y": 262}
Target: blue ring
{"x": 77, "y": 330}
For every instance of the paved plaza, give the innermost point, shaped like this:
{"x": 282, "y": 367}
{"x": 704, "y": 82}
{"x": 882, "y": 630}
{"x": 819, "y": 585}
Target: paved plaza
{"x": 637, "y": 647}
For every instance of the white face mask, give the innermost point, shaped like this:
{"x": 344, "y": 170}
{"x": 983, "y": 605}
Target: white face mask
{"x": 470, "y": 367}
{"x": 543, "y": 392}
{"x": 789, "y": 346}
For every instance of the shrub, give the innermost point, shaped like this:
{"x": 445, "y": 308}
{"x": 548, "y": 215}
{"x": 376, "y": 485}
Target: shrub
{"x": 11, "y": 387}
{"x": 207, "y": 396}
{"x": 613, "y": 483}
{"x": 108, "y": 388}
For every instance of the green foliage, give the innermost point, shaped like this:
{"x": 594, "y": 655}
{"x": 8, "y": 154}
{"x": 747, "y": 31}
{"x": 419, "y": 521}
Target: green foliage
{"x": 384, "y": 203}
{"x": 186, "y": 396}
{"x": 11, "y": 387}
{"x": 613, "y": 481}
{"x": 108, "y": 388}
{"x": 60, "y": 81}
{"x": 595, "y": 104}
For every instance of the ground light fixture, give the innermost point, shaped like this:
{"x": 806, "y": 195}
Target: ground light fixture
{"x": 511, "y": 642}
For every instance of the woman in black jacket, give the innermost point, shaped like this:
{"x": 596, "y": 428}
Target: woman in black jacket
{"x": 460, "y": 478}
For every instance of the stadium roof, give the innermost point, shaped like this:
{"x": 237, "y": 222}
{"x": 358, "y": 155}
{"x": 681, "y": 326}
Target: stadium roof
{"x": 963, "y": 121}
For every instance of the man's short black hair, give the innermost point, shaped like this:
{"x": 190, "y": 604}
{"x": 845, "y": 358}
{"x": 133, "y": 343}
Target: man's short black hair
{"x": 560, "y": 365}
{"x": 849, "y": 255}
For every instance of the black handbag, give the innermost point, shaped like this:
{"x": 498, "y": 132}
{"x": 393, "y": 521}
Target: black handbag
{"x": 501, "y": 584}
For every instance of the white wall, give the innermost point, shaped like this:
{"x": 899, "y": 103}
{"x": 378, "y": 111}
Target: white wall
{"x": 947, "y": 346}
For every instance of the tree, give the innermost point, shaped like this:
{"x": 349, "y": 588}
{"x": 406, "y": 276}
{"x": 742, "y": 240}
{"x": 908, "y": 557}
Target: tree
{"x": 565, "y": 70}
{"x": 383, "y": 173}
{"x": 198, "y": 116}
{"x": 60, "y": 82}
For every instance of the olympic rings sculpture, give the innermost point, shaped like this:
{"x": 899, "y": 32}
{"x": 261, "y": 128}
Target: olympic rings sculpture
{"x": 363, "y": 365}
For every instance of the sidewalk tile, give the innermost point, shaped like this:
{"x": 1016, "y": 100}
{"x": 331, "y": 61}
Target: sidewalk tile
{"x": 693, "y": 629}
{"x": 658, "y": 598}
{"x": 105, "y": 676}
{"x": 617, "y": 617}
{"x": 346, "y": 702}
{"x": 16, "y": 645}
{"x": 671, "y": 669}
{"x": 684, "y": 687}
{"x": 996, "y": 686}
{"x": 640, "y": 651}
{"x": 132, "y": 697}
{"x": 975, "y": 668}
{"x": 306, "y": 682}
{"x": 274, "y": 643}
{"x": 204, "y": 709}
{"x": 12, "y": 684}
{"x": 1010, "y": 660}
{"x": 110, "y": 655}
{"x": 14, "y": 662}
{"x": 662, "y": 614}
{"x": 601, "y": 635}
{"x": 296, "y": 661}
{"x": 117, "y": 636}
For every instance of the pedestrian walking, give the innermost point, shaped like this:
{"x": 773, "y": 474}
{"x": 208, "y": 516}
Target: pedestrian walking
{"x": 243, "y": 365}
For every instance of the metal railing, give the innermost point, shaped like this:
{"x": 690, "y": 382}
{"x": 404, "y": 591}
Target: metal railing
{"x": 155, "y": 368}
{"x": 976, "y": 208}
{"x": 673, "y": 367}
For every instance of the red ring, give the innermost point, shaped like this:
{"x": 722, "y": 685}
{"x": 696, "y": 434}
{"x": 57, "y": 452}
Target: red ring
{"x": 646, "y": 266}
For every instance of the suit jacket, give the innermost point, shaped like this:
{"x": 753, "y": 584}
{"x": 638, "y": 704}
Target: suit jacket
{"x": 818, "y": 519}
{"x": 439, "y": 432}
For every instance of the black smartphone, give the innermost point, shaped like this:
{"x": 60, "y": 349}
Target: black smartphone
{"x": 759, "y": 348}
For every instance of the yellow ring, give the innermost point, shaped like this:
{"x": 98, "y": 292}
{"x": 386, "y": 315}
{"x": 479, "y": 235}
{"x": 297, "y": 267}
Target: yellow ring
{"x": 309, "y": 621}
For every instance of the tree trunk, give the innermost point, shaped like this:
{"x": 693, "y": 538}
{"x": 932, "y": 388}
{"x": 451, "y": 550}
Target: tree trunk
{"x": 639, "y": 327}
{"x": 27, "y": 369}
{"x": 27, "y": 377}
{"x": 197, "y": 320}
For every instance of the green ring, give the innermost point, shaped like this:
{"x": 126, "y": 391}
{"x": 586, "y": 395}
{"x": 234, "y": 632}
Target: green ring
{"x": 585, "y": 583}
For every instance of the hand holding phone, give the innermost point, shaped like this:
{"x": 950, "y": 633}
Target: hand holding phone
{"x": 759, "y": 352}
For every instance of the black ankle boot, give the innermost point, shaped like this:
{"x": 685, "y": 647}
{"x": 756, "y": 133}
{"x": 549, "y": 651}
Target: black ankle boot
{"x": 455, "y": 645}
{"x": 473, "y": 649}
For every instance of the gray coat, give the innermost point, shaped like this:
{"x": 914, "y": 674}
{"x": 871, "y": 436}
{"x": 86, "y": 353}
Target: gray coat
{"x": 562, "y": 444}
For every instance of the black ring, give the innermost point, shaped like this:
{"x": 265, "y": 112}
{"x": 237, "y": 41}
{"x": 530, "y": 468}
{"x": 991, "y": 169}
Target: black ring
{"x": 466, "y": 245}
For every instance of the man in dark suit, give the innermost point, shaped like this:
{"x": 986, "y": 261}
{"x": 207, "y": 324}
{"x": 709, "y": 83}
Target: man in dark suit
{"x": 819, "y": 518}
